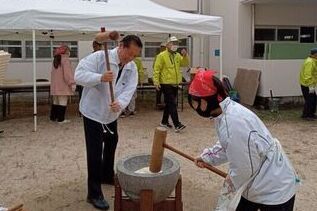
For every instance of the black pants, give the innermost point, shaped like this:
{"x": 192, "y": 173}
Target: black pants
{"x": 100, "y": 160}
{"x": 79, "y": 88}
{"x": 158, "y": 97}
{"x": 245, "y": 205}
{"x": 310, "y": 102}
{"x": 57, "y": 113}
{"x": 170, "y": 99}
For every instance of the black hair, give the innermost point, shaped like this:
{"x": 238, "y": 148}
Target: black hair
{"x": 57, "y": 61}
{"x": 96, "y": 43}
{"x": 127, "y": 40}
{"x": 221, "y": 91}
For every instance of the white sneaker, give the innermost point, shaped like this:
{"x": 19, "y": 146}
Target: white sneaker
{"x": 179, "y": 128}
{"x": 64, "y": 122}
{"x": 167, "y": 126}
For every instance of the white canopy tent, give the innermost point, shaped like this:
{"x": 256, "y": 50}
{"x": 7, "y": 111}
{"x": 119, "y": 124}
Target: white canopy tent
{"x": 73, "y": 16}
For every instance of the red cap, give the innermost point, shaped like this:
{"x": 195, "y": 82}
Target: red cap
{"x": 202, "y": 84}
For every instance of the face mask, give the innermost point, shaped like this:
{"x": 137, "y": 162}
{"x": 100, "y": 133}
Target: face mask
{"x": 174, "y": 48}
{"x": 212, "y": 104}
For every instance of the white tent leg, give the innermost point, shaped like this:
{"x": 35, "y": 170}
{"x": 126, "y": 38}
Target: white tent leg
{"x": 221, "y": 55}
{"x": 201, "y": 54}
{"x": 34, "y": 83}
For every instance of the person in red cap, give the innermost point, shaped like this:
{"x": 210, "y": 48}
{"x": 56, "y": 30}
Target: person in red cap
{"x": 62, "y": 83}
{"x": 260, "y": 176}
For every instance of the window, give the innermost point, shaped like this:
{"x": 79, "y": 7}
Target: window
{"x": 259, "y": 49}
{"x": 151, "y": 49}
{"x": 43, "y": 49}
{"x": 262, "y": 34}
{"x": 73, "y": 46}
{"x": 287, "y": 34}
{"x": 307, "y": 34}
{"x": 14, "y": 47}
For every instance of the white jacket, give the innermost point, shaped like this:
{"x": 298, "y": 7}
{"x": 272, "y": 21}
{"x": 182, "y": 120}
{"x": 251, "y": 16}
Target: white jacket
{"x": 245, "y": 142}
{"x": 95, "y": 101}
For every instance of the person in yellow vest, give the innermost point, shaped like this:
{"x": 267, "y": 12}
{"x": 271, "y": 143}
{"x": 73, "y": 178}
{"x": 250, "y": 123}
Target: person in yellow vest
{"x": 308, "y": 82}
{"x": 158, "y": 102}
{"x": 166, "y": 77}
{"x": 139, "y": 65}
{"x": 130, "y": 109}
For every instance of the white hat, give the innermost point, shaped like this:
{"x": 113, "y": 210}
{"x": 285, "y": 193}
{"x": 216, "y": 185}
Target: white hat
{"x": 172, "y": 39}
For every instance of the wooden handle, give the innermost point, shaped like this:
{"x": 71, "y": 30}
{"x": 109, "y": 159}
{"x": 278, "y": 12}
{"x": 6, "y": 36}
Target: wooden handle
{"x": 16, "y": 208}
{"x": 108, "y": 65}
{"x": 104, "y": 36}
{"x": 156, "y": 159}
{"x": 207, "y": 166}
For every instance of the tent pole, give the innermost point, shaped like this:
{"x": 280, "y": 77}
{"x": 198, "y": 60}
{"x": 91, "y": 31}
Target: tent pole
{"x": 202, "y": 64}
{"x": 221, "y": 55}
{"x": 34, "y": 82}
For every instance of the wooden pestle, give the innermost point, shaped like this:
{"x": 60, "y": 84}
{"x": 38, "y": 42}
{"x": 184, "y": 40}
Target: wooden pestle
{"x": 159, "y": 143}
{"x": 156, "y": 159}
{"x": 16, "y": 208}
{"x": 206, "y": 165}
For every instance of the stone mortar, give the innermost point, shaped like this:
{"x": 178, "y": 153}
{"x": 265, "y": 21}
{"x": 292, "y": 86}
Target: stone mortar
{"x": 162, "y": 183}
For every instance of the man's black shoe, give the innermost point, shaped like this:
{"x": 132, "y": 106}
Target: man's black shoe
{"x": 101, "y": 204}
{"x": 309, "y": 118}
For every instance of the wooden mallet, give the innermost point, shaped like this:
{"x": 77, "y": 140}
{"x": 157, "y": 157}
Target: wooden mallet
{"x": 103, "y": 37}
{"x": 16, "y": 208}
{"x": 159, "y": 143}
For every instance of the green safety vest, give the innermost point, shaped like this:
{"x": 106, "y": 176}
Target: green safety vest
{"x": 308, "y": 73}
{"x": 167, "y": 68}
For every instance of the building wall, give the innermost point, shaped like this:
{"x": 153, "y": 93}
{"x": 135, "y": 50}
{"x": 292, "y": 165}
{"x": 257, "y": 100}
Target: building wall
{"x": 279, "y": 75}
{"x": 283, "y": 14}
{"x": 184, "y": 5}
{"x": 244, "y": 31}
{"x": 282, "y": 75}
{"x": 24, "y": 70}
{"x": 229, "y": 11}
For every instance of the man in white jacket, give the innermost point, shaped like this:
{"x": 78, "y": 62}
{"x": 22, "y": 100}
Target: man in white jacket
{"x": 100, "y": 114}
{"x": 258, "y": 168}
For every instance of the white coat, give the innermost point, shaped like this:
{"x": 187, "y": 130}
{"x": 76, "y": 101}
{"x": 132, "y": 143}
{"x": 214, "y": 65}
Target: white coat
{"x": 95, "y": 101}
{"x": 247, "y": 145}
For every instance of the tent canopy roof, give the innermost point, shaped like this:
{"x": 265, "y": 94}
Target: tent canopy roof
{"x": 86, "y": 16}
